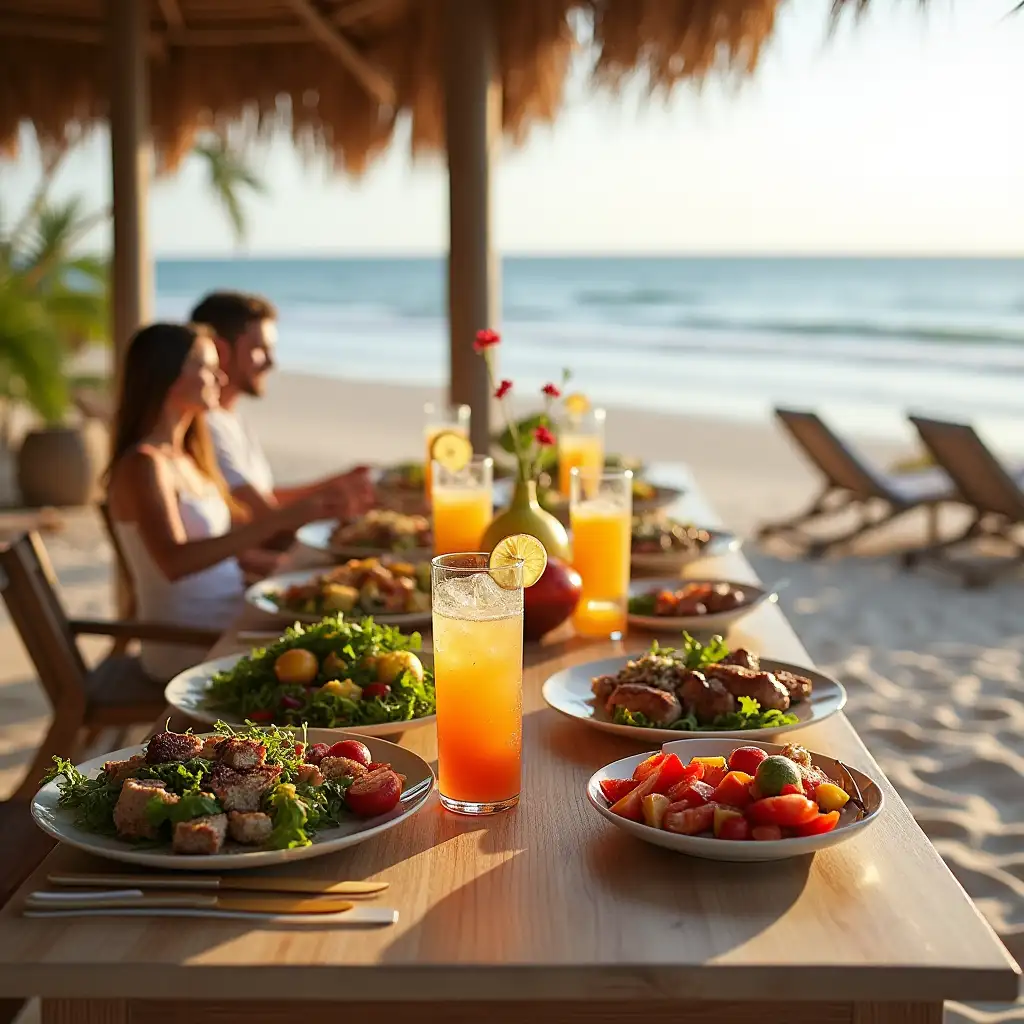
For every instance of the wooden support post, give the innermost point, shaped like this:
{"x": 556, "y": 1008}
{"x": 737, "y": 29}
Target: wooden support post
{"x": 472, "y": 129}
{"x": 131, "y": 163}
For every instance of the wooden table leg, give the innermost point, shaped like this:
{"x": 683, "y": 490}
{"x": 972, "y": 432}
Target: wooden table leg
{"x": 95, "y": 1011}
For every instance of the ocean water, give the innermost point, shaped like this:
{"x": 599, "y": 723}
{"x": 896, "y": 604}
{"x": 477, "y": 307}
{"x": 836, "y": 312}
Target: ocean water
{"x": 861, "y": 340}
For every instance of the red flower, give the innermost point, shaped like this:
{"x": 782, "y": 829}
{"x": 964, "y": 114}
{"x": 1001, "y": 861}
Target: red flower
{"x": 551, "y": 391}
{"x": 503, "y": 389}
{"x": 544, "y": 437}
{"x": 485, "y": 339}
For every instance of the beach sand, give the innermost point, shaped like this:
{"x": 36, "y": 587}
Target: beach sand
{"x": 935, "y": 673}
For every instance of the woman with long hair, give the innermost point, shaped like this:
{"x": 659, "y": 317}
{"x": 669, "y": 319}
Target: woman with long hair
{"x": 180, "y": 531}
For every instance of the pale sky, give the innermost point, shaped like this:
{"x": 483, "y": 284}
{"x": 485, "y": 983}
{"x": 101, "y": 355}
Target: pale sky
{"x": 900, "y": 135}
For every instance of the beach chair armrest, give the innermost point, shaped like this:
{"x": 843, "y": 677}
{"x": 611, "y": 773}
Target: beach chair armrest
{"x": 159, "y": 632}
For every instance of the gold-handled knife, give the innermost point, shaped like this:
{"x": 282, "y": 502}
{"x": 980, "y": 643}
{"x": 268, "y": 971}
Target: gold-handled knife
{"x": 243, "y": 883}
{"x": 271, "y": 903}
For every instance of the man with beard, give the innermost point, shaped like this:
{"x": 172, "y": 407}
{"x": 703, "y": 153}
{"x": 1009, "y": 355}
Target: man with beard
{"x": 245, "y": 333}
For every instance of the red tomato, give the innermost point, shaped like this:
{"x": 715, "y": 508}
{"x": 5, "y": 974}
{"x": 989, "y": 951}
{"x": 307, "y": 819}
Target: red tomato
{"x": 670, "y": 773}
{"x": 692, "y": 794}
{"x": 785, "y": 811}
{"x": 374, "y": 793}
{"x": 352, "y": 749}
{"x": 765, "y": 833}
{"x": 317, "y": 753}
{"x": 690, "y": 821}
{"x": 631, "y": 805}
{"x": 376, "y": 690}
{"x": 694, "y": 771}
{"x": 713, "y": 775}
{"x": 260, "y": 716}
{"x": 614, "y": 790}
{"x": 644, "y": 768}
{"x": 790, "y": 788}
{"x": 818, "y": 826}
{"x": 734, "y": 828}
{"x": 733, "y": 790}
{"x": 746, "y": 759}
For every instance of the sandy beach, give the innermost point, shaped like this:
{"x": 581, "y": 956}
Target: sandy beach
{"x": 935, "y": 673}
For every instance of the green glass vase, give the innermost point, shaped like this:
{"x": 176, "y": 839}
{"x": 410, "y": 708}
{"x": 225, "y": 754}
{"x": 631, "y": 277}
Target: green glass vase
{"x": 524, "y": 515}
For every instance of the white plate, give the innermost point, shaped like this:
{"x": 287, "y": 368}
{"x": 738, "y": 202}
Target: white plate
{"x": 317, "y": 536}
{"x": 59, "y": 822}
{"x": 717, "y": 623}
{"x": 259, "y": 596}
{"x": 187, "y": 693}
{"x": 748, "y": 851}
{"x": 721, "y": 543}
{"x": 569, "y": 692}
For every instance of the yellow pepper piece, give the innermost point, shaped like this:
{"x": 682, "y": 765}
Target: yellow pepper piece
{"x": 830, "y": 797}
{"x": 654, "y": 807}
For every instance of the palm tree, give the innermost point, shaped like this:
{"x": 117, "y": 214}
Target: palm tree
{"x": 53, "y": 302}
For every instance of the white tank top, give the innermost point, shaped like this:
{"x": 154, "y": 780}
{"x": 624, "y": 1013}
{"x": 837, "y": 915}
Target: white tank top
{"x": 210, "y": 599}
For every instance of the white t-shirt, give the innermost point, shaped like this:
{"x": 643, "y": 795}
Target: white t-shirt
{"x": 239, "y": 452}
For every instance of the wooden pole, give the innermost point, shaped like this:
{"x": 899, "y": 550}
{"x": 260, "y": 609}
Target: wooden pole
{"x": 131, "y": 163}
{"x": 472, "y": 130}
{"x": 131, "y": 166}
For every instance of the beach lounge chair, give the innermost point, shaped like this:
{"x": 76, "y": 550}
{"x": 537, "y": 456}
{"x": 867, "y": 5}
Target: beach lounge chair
{"x": 853, "y": 486}
{"x": 993, "y": 493}
{"x": 116, "y": 694}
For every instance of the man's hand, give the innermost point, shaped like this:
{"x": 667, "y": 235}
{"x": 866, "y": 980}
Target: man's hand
{"x": 350, "y": 494}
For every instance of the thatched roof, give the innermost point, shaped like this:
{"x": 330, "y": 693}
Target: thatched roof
{"x": 338, "y": 73}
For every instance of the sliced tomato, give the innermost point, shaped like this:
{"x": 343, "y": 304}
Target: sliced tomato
{"x": 632, "y": 804}
{"x": 789, "y": 788}
{"x": 693, "y": 771}
{"x": 737, "y": 828}
{"x": 614, "y": 790}
{"x": 733, "y": 790}
{"x": 766, "y": 833}
{"x": 374, "y": 793}
{"x": 689, "y": 821}
{"x": 692, "y": 794}
{"x": 818, "y": 826}
{"x": 714, "y": 769}
{"x": 644, "y": 768}
{"x": 670, "y": 773}
{"x": 785, "y": 811}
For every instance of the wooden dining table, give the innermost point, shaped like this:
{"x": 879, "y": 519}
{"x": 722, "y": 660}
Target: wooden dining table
{"x": 546, "y": 914}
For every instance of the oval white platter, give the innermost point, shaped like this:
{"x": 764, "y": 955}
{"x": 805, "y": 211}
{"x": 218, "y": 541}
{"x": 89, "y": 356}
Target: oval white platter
{"x": 569, "y": 692}
{"x": 850, "y": 821}
{"x": 419, "y": 781}
{"x": 716, "y": 623}
{"x": 260, "y": 596}
{"x": 187, "y": 693}
{"x": 317, "y": 537}
{"x": 721, "y": 543}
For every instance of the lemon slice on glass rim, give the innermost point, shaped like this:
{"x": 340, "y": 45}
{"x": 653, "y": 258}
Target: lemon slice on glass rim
{"x": 577, "y": 404}
{"x": 509, "y": 550}
{"x": 451, "y": 450}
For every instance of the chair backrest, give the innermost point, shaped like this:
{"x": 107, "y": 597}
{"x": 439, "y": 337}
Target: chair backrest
{"x": 977, "y": 474}
{"x": 127, "y": 601}
{"x": 841, "y": 467}
{"x": 29, "y": 589}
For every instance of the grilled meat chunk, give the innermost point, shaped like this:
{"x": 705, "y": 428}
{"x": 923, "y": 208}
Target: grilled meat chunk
{"x": 603, "y": 687}
{"x": 705, "y": 698}
{"x": 118, "y": 771}
{"x": 236, "y": 753}
{"x": 203, "y": 836}
{"x": 242, "y": 790}
{"x": 130, "y": 818}
{"x": 798, "y": 687}
{"x": 743, "y": 658}
{"x": 166, "y": 747}
{"x": 661, "y": 706}
{"x": 748, "y": 682}
{"x": 211, "y": 748}
{"x": 339, "y": 767}
{"x": 309, "y": 775}
{"x": 250, "y": 828}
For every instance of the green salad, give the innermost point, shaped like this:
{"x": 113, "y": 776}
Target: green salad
{"x": 183, "y": 790}
{"x": 700, "y": 706}
{"x": 333, "y": 674}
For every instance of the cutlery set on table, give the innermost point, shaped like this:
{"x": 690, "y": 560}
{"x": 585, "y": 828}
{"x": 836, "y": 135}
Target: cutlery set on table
{"x": 235, "y": 897}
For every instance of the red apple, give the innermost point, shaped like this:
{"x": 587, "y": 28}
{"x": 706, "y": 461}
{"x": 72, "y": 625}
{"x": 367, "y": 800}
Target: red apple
{"x": 551, "y": 600}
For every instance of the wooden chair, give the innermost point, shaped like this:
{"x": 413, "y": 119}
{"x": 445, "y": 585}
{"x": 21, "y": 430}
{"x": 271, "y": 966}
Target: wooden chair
{"x": 117, "y": 693}
{"x": 127, "y": 602}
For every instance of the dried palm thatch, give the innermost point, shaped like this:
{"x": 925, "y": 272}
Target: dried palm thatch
{"x": 338, "y": 74}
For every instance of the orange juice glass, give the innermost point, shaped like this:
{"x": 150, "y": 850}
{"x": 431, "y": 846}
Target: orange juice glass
{"x": 463, "y": 505}
{"x": 478, "y": 675}
{"x": 601, "y": 516}
{"x": 440, "y": 419}
{"x": 580, "y": 446}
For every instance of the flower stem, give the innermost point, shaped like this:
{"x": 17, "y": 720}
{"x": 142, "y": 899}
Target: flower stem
{"x": 509, "y": 420}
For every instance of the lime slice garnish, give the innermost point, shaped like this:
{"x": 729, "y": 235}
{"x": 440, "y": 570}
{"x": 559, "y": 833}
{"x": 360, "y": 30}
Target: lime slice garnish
{"x": 451, "y": 450}
{"x": 508, "y": 551}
